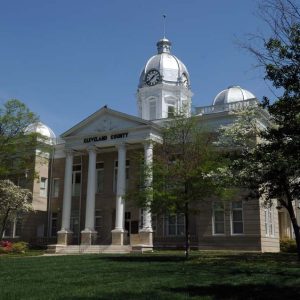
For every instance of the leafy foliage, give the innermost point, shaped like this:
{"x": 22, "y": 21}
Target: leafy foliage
{"x": 17, "y": 146}
{"x": 187, "y": 170}
{"x": 272, "y": 166}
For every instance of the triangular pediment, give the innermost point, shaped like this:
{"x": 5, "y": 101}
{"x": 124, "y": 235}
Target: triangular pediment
{"x": 105, "y": 120}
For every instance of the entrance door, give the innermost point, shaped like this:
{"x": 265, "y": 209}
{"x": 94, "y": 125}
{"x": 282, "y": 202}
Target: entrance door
{"x": 132, "y": 226}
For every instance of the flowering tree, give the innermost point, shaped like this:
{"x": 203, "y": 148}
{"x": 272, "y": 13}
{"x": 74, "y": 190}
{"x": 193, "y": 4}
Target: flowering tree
{"x": 13, "y": 200}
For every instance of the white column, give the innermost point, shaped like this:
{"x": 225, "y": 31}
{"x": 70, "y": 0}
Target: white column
{"x": 91, "y": 191}
{"x": 121, "y": 187}
{"x": 67, "y": 199}
{"x": 148, "y": 152}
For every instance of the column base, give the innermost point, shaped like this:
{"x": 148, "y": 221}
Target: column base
{"x": 88, "y": 237}
{"x": 119, "y": 237}
{"x": 146, "y": 237}
{"x": 64, "y": 237}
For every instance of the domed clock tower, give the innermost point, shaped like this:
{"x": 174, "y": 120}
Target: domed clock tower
{"x": 164, "y": 87}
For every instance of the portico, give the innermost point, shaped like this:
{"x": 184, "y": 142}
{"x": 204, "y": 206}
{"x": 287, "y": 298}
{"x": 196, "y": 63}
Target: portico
{"x": 83, "y": 139}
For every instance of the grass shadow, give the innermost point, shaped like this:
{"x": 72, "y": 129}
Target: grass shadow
{"x": 242, "y": 291}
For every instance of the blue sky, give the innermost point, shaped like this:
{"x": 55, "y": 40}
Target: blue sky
{"x": 67, "y": 58}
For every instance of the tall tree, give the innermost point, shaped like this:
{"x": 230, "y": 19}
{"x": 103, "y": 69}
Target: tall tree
{"x": 272, "y": 167}
{"x": 16, "y": 145}
{"x": 187, "y": 170}
{"x": 13, "y": 201}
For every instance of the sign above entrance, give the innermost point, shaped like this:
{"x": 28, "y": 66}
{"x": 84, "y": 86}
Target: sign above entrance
{"x": 122, "y": 135}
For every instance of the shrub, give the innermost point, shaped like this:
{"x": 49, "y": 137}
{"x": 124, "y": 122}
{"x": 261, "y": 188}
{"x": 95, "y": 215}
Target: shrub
{"x": 288, "y": 246}
{"x": 5, "y": 246}
{"x": 19, "y": 247}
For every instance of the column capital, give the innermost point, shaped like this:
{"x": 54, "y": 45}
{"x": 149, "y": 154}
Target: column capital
{"x": 92, "y": 149}
{"x": 148, "y": 144}
{"x": 121, "y": 146}
{"x": 69, "y": 152}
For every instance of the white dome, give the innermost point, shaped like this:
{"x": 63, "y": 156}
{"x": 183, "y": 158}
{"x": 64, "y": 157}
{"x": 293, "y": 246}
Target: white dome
{"x": 233, "y": 94}
{"x": 42, "y": 129}
{"x": 171, "y": 69}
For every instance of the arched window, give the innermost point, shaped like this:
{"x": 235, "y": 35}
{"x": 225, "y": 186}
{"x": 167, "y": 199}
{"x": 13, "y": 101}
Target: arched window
{"x": 152, "y": 109}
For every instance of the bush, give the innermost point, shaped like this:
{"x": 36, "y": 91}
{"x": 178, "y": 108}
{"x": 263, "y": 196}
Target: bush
{"x": 288, "y": 246}
{"x": 5, "y": 246}
{"x": 19, "y": 247}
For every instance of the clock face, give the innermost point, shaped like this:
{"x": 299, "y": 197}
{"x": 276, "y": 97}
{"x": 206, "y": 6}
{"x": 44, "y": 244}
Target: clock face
{"x": 152, "y": 77}
{"x": 185, "y": 80}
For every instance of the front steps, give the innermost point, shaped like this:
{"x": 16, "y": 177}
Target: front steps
{"x": 89, "y": 249}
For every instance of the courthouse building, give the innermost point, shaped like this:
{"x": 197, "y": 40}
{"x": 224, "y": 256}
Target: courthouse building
{"x": 95, "y": 162}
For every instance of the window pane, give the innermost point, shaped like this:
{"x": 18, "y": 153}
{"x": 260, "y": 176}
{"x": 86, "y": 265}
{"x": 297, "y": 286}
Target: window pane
{"x": 237, "y": 204}
{"x": 171, "y": 111}
{"x": 238, "y": 227}
{"x": 100, "y": 181}
{"x": 219, "y": 228}
{"x": 219, "y": 216}
{"x": 172, "y": 229}
{"x": 180, "y": 219}
{"x": 180, "y": 229}
{"x": 172, "y": 219}
{"x": 237, "y": 215}
{"x": 152, "y": 110}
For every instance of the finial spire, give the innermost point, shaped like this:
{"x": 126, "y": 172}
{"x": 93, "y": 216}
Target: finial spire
{"x": 164, "y": 22}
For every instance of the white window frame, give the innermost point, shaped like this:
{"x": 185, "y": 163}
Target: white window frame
{"x": 176, "y": 225}
{"x": 43, "y": 186}
{"x": 231, "y": 217}
{"x": 214, "y": 210}
{"x": 115, "y": 174}
{"x": 269, "y": 222}
{"x": 99, "y": 169}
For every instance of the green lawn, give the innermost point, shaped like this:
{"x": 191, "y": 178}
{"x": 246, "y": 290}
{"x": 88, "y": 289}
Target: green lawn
{"x": 161, "y": 275}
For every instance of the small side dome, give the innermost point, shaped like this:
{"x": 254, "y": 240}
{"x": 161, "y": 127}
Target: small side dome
{"x": 44, "y": 130}
{"x": 233, "y": 93}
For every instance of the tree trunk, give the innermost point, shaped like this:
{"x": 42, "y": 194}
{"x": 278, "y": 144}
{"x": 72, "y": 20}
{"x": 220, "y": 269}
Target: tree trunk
{"x": 295, "y": 226}
{"x": 187, "y": 232}
{"x": 293, "y": 218}
{"x": 3, "y": 225}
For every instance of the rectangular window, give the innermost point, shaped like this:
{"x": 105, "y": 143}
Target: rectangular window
{"x": 43, "y": 187}
{"x": 54, "y": 224}
{"x": 175, "y": 224}
{"x": 55, "y": 192}
{"x": 218, "y": 218}
{"x": 171, "y": 111}
{"x": 269, "y": 222}
{"x": 116, "y": 175}
{"x": 98, "y": 220}
{"x": 237, "y": 223}
{"x": 13, "y": 228}
{"x": 100, "y": 177}
{"x": 76, "y": 180}
{"x": 152, "y": 110}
